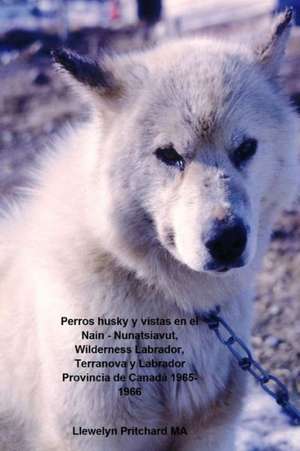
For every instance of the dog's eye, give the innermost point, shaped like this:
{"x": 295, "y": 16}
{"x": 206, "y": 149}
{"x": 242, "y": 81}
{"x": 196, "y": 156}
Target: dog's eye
{"x": 244, "y": 152}
{"x": 170, "y": 156}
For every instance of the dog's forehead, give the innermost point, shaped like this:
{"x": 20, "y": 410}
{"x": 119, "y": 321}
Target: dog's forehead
{"x": 201, "y": 91}
{"x": 208, "y": 94}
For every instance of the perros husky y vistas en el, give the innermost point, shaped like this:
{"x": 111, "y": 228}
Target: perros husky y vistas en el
{"x": 160, "y": 206}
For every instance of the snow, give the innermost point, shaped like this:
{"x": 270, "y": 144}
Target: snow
{"x": 197, "y": 13}
{"x": 191, "y": 13}
{"x": 179, "y": 7}
{"x": 264, "y": 427}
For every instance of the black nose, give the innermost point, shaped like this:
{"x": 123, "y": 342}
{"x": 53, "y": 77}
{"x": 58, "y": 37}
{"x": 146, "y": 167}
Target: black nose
{"x": 227, "y": 240}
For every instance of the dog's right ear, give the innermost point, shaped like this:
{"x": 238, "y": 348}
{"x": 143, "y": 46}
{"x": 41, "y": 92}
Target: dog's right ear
{"x": 90, "y": 74}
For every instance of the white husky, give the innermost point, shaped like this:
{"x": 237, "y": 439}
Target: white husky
{"x": 160, "y": 207}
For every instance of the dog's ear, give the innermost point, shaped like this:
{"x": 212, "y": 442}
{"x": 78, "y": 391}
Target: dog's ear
{"x": 270, "y": 52}
{"x": 88, "y": 73}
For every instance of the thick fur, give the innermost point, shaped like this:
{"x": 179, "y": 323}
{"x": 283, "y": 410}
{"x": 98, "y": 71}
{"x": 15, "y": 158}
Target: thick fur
{"x": 110, "y": 230}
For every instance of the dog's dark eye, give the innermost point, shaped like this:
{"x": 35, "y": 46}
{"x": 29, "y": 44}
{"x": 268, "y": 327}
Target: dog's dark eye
{"x": 244, "y": 152}
{"x": 170, "y": 156}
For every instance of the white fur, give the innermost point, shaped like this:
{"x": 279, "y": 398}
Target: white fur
{"x": 91, "y": 242}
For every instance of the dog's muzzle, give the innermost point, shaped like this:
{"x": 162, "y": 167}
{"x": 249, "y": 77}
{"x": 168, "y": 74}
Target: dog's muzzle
{"x": 226, "y": 242}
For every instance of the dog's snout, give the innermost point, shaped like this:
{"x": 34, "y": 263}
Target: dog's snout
{"x": 226, "y": 241}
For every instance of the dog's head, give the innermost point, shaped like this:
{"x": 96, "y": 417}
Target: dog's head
{"x": 197, "y": 151}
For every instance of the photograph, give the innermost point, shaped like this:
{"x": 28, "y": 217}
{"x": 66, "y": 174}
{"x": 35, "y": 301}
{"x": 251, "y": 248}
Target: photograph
{"x": 149, "y": 225}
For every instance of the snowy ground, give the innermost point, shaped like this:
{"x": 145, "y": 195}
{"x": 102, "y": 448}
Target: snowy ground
{"x": 192, "y": 14}
{"x": 264, "y": 427}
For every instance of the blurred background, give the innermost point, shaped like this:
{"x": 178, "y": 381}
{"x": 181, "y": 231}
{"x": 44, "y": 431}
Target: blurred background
{"x": 35, "y": 104}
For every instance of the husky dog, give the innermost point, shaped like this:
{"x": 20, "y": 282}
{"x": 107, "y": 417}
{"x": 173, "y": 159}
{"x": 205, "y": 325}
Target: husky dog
{"x": 160, "y": 207}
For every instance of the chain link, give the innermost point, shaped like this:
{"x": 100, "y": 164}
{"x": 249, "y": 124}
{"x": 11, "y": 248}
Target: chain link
{"x": 268, "y": 382}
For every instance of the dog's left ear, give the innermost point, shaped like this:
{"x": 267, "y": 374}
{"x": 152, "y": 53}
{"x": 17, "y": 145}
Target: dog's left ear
{"x": 269, "y": 54}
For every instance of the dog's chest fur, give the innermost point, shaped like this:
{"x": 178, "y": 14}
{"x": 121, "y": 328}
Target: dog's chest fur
{"x": 174, "y": 400}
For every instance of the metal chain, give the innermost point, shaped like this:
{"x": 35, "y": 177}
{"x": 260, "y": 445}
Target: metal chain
{"x": 269, "y": 383}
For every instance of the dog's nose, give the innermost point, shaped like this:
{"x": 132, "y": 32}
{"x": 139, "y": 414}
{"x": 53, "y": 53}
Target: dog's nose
{"x": 227, "y": 240}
